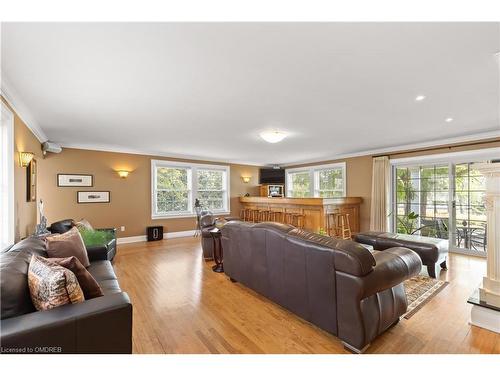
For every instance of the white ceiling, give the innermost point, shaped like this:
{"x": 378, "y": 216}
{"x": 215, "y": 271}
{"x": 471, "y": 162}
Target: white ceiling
{"x": 205, "y": 91}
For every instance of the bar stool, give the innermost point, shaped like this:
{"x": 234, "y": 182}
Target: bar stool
{"x": 298, "y": 220}
{"x": 254, "y": 215}
{"x": 277, "y": 215}
{"x": 331, "y": 222}
{"x": 288, "y": 218}
{"x": 338, "y": 225}
{"x": 264, "y": 215}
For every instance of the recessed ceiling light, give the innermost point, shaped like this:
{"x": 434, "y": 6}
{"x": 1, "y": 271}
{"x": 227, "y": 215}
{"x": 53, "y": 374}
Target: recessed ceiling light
{"x": 273, "y": 136}
{"x": 419, "y": 98}
{"x": 448, "y": 119}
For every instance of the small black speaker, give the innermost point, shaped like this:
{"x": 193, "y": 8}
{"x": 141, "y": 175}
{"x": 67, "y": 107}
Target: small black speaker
{"x": 155, "y": 233}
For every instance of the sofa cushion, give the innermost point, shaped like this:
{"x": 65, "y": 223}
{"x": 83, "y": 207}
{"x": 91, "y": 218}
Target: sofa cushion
{"x": 66, "y": 245}
{"x": 89, "y": 285}
{"x": 52, "y": 285}
{"x": 102, "y": 270}
{"x": 14, "y": 289}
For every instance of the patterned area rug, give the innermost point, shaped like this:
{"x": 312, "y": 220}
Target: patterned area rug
{"x": 420, "y": 290}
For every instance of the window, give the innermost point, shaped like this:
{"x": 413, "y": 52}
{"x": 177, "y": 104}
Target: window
{"x": 321, "y": 181}
{"x": 6, "y": 178}
{"x": 175, "y": 187}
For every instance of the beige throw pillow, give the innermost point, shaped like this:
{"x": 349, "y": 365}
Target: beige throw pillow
{"x": 66, "y": 245}
{"x": 52, "y": 285}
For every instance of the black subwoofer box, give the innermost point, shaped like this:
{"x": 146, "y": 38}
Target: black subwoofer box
{"x": 155, "y": 233}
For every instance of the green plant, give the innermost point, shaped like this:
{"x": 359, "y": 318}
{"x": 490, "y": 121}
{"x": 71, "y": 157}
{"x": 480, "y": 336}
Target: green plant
{"x": 95, "y": 237}
{"x": 406, "y": 223}
{"x": 322, "y": 231}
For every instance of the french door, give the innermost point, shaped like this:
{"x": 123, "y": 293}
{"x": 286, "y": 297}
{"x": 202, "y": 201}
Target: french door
{"x": 443, "y": 200}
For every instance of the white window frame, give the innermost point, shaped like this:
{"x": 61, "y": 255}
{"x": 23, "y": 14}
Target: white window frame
{"x": 192, "y": 186}
{"x": 7, "y": 178}
{"x": 314, "y": 177}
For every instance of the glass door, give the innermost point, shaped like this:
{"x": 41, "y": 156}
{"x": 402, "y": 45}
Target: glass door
{"x": 469, "y": 212}
{"x": 423, "y": 200}
{"x": 443, "y": 201}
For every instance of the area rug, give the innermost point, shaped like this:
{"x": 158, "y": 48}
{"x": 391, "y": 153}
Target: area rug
{"x": 420, "y": 290}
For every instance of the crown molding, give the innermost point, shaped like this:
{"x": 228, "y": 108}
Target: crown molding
{"x": 406, "y": 147}
{"x": 144, "y": 152}
{"x": 14, "y": 100}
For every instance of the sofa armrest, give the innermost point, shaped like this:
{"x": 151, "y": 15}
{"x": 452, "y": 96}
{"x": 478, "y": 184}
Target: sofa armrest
{"x": 97, "y": 253}
{"x": 393, "y": 266}
{"x": 99, "y": 325}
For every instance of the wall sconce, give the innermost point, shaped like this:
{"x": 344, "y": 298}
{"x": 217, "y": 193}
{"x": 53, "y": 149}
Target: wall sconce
{"x": 246, "y": 179}
{"x": 25, "y": 158}
{"x": 123, "y": 174}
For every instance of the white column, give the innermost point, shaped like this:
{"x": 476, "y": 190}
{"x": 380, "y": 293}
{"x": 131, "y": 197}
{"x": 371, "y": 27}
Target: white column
{"x": 490, "y": 290}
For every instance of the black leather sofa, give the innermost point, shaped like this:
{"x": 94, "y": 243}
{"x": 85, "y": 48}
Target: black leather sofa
{"x": 65, "y": 225}
{"x": 98, "y": 325}
{"x": 338, "y": 285}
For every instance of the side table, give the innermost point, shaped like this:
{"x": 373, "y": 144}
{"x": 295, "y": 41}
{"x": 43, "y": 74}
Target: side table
{"x": 218, "y": 255}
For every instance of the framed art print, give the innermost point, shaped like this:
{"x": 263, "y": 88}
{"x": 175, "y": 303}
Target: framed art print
{"x": 75, "y": 180}
{"x": 93, "y": 197}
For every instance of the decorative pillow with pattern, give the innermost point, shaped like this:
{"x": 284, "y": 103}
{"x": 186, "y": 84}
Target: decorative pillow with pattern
{"x": 66, "y": 245}
{"x": 83, "y": 224}
{"x": 52, "y": 285}
{"x": 89, "y": 285}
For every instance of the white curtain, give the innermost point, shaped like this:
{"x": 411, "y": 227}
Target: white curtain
{"x": 380, "y": 205}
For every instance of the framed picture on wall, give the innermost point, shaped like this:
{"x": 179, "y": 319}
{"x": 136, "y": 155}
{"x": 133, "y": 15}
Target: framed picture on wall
{"x": 75, "y": 180}
{"x": 31, "y": 173}
{"x": 93, "y": 196}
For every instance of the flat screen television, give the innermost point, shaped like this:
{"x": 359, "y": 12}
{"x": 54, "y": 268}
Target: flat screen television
{"x": 272, "y": 176}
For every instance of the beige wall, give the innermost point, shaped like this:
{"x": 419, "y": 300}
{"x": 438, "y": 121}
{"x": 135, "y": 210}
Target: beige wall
{"x": 25, "y": 213}
{"x": 130, "y": 198}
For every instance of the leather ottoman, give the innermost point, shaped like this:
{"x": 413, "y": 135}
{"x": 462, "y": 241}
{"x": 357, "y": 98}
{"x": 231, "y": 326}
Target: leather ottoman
{"x": 432, "y": 251}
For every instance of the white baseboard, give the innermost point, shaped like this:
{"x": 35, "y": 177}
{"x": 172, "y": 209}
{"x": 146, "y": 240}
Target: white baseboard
{"x": 143, "y": 238}
{"x": 485, "y": 318}
{"x": 186, "y": 233}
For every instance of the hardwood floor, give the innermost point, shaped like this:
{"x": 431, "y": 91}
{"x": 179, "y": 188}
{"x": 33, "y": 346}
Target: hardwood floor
{"x": 181, "y": 306}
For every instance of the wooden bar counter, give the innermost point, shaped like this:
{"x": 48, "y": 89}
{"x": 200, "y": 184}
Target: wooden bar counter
{"x": 313, "y": 209}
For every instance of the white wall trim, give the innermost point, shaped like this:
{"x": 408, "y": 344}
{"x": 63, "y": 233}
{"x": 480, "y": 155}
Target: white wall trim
{"x": 7, "y": 178}
{"x": 406, "y": 147}
{"x": 144, "y": 238}
{"x": 14, "y": 100}
{"x": 457, "y": 157}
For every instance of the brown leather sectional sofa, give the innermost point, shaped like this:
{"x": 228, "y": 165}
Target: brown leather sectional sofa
{"x": 338, "y": 285}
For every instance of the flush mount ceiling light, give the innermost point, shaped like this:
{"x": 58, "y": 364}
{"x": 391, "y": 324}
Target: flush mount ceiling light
{"x": 419, "y": 98}
{"x": 448, "y": 119}
{"x": 272, "y": 136}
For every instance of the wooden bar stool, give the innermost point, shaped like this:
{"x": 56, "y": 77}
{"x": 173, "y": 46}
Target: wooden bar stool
{"x": 298, "y": 220}
{"x": 264, "y": 215}
{"x": 287, "y": 218}
{"x": 339, "y": 226}
{"x": 277, "y": 215}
